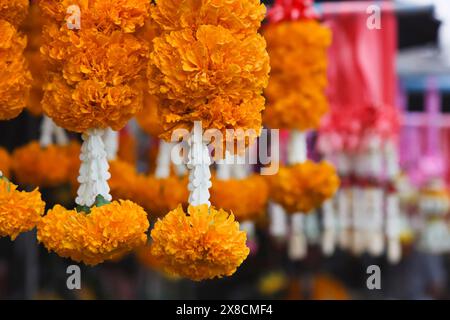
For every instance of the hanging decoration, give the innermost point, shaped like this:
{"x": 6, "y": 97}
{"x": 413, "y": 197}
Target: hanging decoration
{"x": 15, "y": 78}
{"x": 87, "y": 91}
{"x": 297, "y": 44}
{"x": 208, "y": 67}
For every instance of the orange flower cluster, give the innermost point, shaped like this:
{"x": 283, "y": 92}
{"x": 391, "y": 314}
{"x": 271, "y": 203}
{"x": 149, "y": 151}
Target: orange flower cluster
{"x": 15, "y": 78}
{"x": 248, "y": 203}
{"x": 107, "y": 232}
{"x": 33, "y": 28}
{"x": 305, "y": 186}
{"x": 20, "y": 211}
{"x": 13, "y": 11}
{"x": 298, "y": 55}
{"x": 45, "y": 167}
{"x": 158, "y": 196}
{"x": 96, "y": 73}
{"x": 209, "y": 64}
{"x": 203, "y": 244}
{"x": 5, "y": 162}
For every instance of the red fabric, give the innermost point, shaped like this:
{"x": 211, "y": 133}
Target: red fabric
{"x": 361, "y": 68}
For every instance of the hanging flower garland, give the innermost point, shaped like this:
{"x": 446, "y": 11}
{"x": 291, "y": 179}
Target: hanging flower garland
{"x": 208, "y": 65}
{"x": 88, "y": 91}
{"x": 5, "y": 162}
{"x": 15, "y": 79}
{"x": 20, "y": 211}
{"x": 298, "y": 55}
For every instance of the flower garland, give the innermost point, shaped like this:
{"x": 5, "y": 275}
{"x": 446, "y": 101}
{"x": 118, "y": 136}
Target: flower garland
{"x": 15, "y": 78}
{"x": 304, "y": 186}
{"x": 87, "y": 91}
{"x": 208, "y": 245}
{"x": 298, "y": 55}
{"x": 208, "y": 65}
{"x": 20, "y": 211}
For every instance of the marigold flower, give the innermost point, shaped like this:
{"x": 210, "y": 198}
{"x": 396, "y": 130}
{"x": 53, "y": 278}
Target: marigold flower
{"x": 20, "y": 211}
{"x": 298, "y": 57}
{"x": 86, "y": 86}
{"x": 305, "y": 186}
{"x": 248, "y": 203}
{"x": 13, "y": 11}
{"x": 5, "y": 162}
{"x": 210, "y": 76}
{"x": 243, "y": 18}
{"x": 15, "y": 79}
{"x": 106, "y": 15}
{"x": 203, "y": 244}
{"x": 107, "y": 232}
{"x": 41, "y": 166}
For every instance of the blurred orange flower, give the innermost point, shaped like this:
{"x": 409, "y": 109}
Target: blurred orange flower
{"x": 248, "y": 203}
{"x": 41, "y": 166}
{"x": 305, "y": 186}
{"x": 20, "y": 211}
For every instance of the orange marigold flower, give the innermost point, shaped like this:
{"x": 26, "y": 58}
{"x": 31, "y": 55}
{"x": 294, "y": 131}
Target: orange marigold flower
{"x": 248, "y": 203}
{"x": 298, "y": 57}
{"x": 107, "y": 232}
{"x": 243, "y": 18}
{"x": 5, "y": 162}
{"x": 41, "y": 166}
{"x": 15, "y": 79}
{"x": 123, "y": 180}
{"x": 203, "y": 244}
{"x": 86, "y": 86}
{"x": 105, "y": 15}
{"x": 20, "y": 211}
{"x": 13, "y": 11}
{"x": 210, "y": 76}
{"x": 305, "y": 186}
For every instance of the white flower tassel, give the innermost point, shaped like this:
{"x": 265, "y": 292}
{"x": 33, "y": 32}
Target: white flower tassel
{"x": 329, "y": 226}
{"x": 163, "y": 160}
{"x": 111, "y": 142}
{"x": 93, "y": 176}
{"x": 297, "y": 148}
{"x": 393, "y": 219}
{"x": 199, "y": 161}
{"x": 50, "y": 132}
{"x": 297, "y": 245}
{"x": 278, "y": 220}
